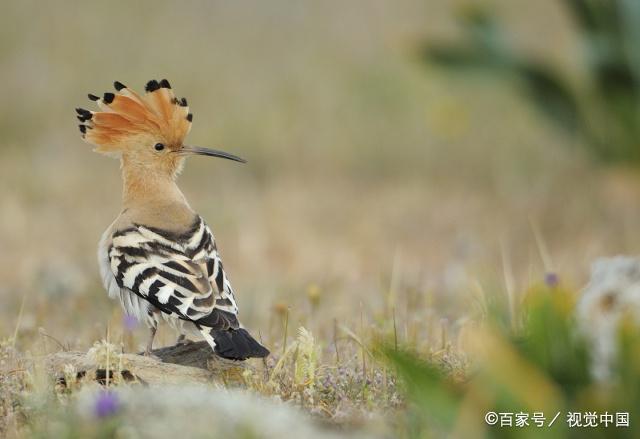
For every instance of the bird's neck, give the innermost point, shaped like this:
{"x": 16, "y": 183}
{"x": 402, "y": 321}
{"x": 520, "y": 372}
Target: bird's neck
{"x": 143, "y": 186}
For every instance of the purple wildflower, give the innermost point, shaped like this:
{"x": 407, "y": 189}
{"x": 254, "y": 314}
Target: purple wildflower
{"x": 551, "y": 280}
{"x": 129, "y": 322}
{"x": 107, "y": 404}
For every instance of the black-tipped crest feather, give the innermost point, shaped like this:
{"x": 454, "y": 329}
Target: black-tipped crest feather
{"x": 152, "y": 86}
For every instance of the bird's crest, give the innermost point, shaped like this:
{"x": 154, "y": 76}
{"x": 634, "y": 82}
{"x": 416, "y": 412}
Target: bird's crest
{"x": 125, "y": 115}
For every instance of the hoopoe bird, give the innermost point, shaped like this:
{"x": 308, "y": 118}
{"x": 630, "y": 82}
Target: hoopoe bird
{"x": 159, "y": 257}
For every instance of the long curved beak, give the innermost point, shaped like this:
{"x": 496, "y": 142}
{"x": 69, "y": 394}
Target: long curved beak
{"x": 188, "y": 149}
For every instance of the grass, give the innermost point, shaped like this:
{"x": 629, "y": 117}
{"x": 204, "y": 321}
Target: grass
{"x": 542, "y": 366}
{"x": 385, "y": 203}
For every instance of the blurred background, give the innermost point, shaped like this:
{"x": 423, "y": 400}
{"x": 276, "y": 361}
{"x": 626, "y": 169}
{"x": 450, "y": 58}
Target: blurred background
{"x": 383, "y": 178}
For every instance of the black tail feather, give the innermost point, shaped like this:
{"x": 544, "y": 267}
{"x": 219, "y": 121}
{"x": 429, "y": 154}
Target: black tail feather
{"x": 238, "y": 344}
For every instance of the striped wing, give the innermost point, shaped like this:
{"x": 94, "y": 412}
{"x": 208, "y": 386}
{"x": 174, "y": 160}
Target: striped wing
{"x": 180, "y": 274}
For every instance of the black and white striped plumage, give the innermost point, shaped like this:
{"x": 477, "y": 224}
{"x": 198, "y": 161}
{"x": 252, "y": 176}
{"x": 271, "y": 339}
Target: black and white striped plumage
{"x": 180, "y": 277}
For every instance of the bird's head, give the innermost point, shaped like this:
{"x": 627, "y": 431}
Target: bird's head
{"x": 146, "y": 131}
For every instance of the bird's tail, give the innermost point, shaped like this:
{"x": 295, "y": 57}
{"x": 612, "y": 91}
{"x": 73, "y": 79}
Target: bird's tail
{"x": 234, "y": 344}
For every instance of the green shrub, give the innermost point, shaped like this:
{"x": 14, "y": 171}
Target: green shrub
{"x": 604, "y": 110}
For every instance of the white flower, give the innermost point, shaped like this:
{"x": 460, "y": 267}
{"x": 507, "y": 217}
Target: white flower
{"x": 612, "y": 293}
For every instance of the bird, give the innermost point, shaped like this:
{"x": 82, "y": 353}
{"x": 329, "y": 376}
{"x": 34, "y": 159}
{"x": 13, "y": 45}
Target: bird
{"x": 159, "y": 257}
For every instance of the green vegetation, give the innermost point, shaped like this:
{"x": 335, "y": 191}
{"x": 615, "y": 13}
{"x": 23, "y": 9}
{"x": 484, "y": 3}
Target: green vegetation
{"x": 541, "y": 366}
{"x": 599, "y": 103}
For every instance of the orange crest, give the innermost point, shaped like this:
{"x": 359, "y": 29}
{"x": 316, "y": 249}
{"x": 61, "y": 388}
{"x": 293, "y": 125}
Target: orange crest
{"x": 125, "y": 116}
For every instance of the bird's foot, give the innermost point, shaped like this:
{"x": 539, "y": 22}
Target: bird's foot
{"x": 183, "y": 340}
{"x": 149, "y": 354}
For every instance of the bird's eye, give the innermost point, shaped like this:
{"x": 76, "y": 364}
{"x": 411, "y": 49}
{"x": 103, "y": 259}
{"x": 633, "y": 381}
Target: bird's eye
{"x": 159, "y": 146}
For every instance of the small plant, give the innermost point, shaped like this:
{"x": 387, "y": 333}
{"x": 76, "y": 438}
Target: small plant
{"x": 306, "y": 362}
{"x": 15, "y": 380}
{"x": 294, "y": 374}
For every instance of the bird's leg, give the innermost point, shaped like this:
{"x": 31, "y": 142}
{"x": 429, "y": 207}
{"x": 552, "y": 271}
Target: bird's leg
{"x": 183, "y": 340}
{"x": 147, "y": 351}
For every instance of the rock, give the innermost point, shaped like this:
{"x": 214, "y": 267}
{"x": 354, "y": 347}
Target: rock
{"x": 180, "y": 364}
